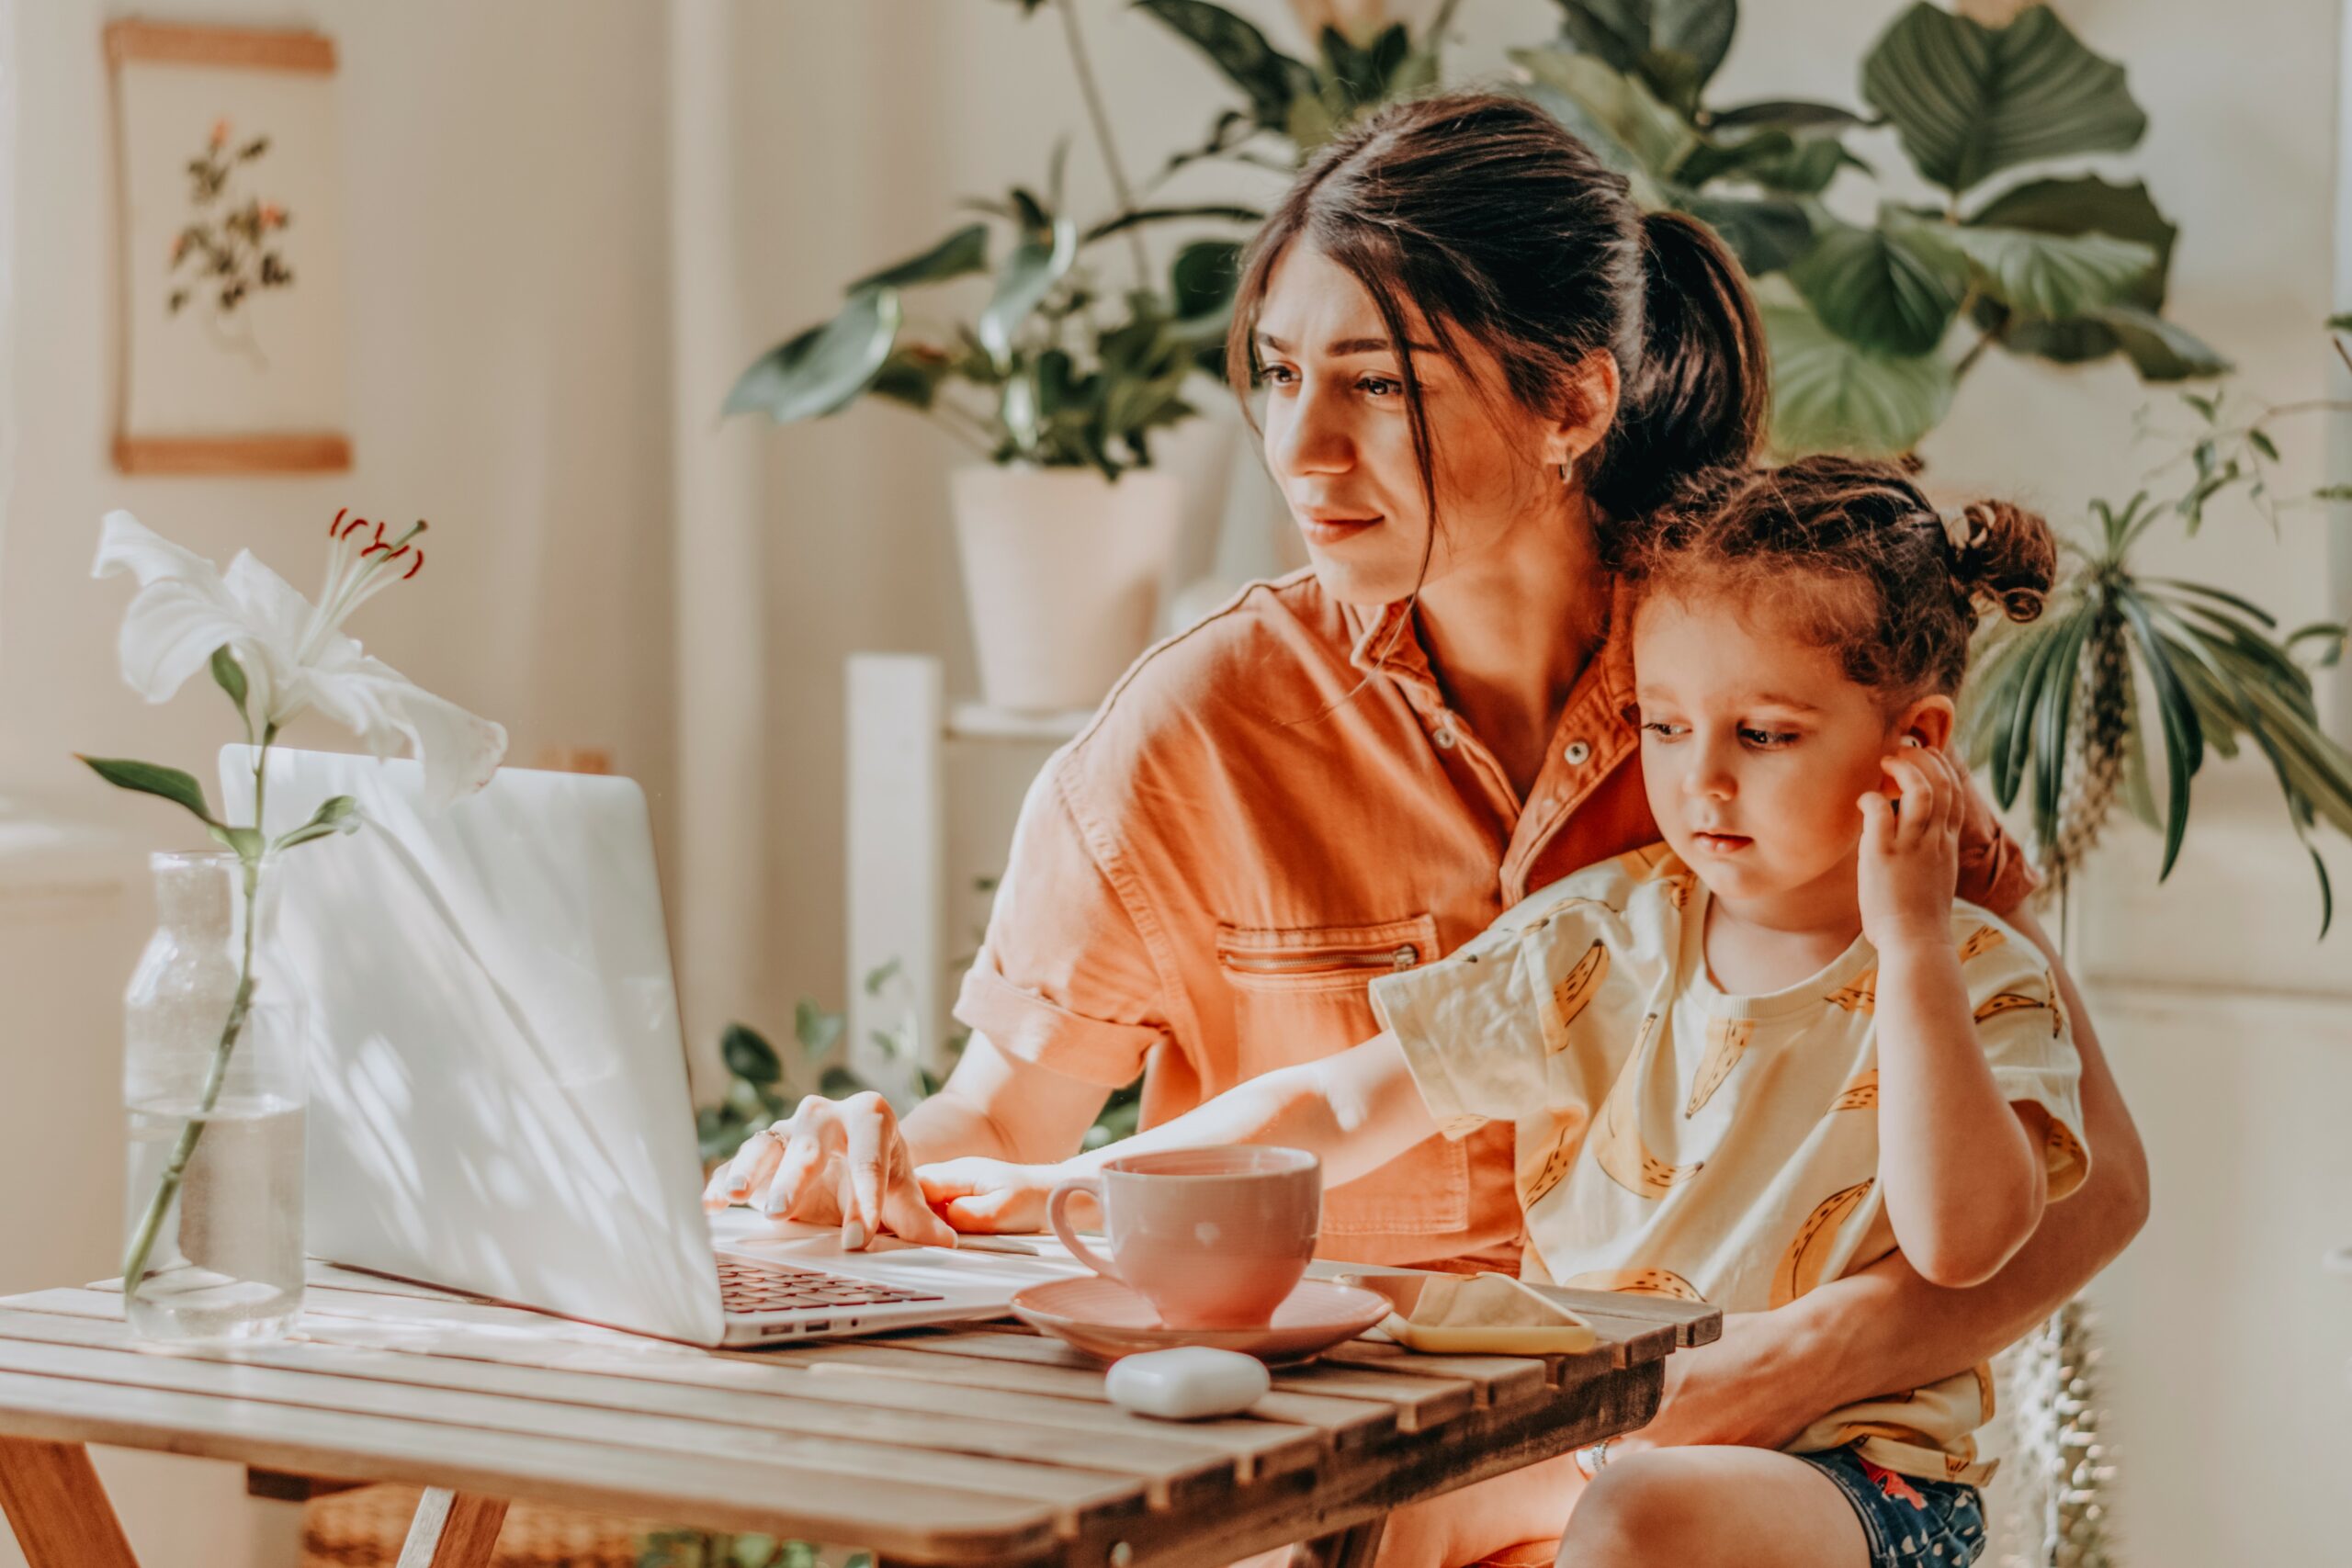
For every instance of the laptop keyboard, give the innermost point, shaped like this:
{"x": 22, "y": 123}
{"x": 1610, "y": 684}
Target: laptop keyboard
{"x": 748, "y": 1287}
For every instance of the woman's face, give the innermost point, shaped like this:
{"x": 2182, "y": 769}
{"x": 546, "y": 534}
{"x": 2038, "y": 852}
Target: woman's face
{"x": 1339, "y": 441}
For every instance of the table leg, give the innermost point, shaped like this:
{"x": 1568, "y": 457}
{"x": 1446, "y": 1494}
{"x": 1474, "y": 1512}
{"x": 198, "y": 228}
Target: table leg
{"x": 452, "y": 1529}
{"x": 1351, "y": 1548}
{"x": 52, "y": 1496}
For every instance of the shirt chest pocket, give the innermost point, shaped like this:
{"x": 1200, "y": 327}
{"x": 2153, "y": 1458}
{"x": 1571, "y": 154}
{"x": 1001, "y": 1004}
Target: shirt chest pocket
{"x": 1301, "y": 993}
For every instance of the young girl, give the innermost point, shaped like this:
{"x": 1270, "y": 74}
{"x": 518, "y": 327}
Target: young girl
{"x": 1761, "y": 1055}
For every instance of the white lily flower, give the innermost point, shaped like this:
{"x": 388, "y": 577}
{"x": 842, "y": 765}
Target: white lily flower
{"x": 295, "y": 654}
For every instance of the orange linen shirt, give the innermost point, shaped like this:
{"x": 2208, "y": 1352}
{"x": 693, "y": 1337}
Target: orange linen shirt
{"x": 1271, "y": 808}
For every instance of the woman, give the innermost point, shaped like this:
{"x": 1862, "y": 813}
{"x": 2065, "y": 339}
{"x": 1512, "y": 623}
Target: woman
{"x": 1474, "y": 351}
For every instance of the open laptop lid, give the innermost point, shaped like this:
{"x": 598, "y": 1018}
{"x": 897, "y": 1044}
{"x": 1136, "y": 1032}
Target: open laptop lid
{"x": 498, "y": 1083}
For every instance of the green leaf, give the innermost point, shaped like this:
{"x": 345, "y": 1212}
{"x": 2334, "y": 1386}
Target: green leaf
{"x": 246, "y": 841}
{"x": 881, "y": 976}
{"x": 2052, "y": 715}
{"x": 2184, "y": 739}
{"x": 2331, "y": 635}
{"x": 2244, "y": 606}
{"x": 965, "y": 250}
{"x": 2048, "y": 275}
{"x": 1765, "y": 233}
{"x": 913, "y": 375}
{"x": 2339, "y": 324}
{"x": 2088, "y": 205}
{"x": 2259, "y": 439}
{"x": 150, "y": 778}
{"x": 839, "y": 1083}
{"x": 2160, "y": 350}
{"x": 2013, "y": 752}
{"x": 1830, "y": 394}
{"x": 338, "y": 814}
{"x": 1028, "y": 277}
{"x": 1807, "y": 168}
{"x": 816, "y": 1029}
{"x": 1968, "y": 100}
{"x": 823, "y": 370}
{"x": 1624, "y": 110}
{"x": 1891, "y": 288}
{"x": 1272, "y": 80}
{"x": 229, "y": 675}
{"x": 1141, "y": 215}
{"x": 1674, "y": 46}
{"x": 1203, "y": 277}
{"x": 748, "y": 1055}
{"x": 1787, "y": 114}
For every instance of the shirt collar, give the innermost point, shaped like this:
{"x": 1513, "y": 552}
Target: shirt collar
{"x": 1387, "y": 643}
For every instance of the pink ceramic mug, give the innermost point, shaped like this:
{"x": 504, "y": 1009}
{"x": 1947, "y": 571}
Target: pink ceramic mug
{"x": 1212, "y": 1238}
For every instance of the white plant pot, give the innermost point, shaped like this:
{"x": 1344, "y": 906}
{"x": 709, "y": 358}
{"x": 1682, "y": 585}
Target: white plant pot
{"x": 1062, "y": 570}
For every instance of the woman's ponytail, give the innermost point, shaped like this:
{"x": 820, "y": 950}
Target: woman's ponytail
{"x": 1698, "y": 395}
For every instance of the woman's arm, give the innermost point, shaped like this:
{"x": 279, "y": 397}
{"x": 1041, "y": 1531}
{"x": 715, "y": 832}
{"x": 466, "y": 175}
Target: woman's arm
{"x": 1355, "y": 1112}
{"x": 1885, "y": 1328}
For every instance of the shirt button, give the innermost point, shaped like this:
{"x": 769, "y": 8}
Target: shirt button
{"x": 1576, "y": 753}
{"x": 1444, "y": 738}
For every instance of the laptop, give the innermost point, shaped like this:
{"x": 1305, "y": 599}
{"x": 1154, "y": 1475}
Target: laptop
{"x": 499, "y": 1100}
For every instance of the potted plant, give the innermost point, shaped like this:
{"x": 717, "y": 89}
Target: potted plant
{"x": 1059, "y": 383}
{"x": 2062, "y": 267}
{"x": 2067, "y": 712}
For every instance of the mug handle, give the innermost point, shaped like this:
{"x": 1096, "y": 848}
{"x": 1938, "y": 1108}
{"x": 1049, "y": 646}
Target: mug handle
{"x": 1057, "y": 1202}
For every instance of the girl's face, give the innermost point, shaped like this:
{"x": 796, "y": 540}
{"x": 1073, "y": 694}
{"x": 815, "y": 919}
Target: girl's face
{"x": 1755, "y": 749}
{"x": 1339, "y": 441}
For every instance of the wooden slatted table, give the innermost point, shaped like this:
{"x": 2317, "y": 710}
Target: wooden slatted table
{"x": 991, "y": 1448}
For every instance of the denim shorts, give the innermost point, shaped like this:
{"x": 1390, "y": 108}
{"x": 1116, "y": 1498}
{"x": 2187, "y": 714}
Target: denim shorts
{"x": 1909, "y": 1522}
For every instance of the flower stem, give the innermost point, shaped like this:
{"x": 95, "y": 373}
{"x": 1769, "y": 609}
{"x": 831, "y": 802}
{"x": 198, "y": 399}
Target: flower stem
{"x": 1092, "y": 93}
{"x": 134, "y": 1263}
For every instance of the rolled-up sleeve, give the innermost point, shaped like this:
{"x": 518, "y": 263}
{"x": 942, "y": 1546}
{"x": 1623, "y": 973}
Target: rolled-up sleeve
{"x": 1064, "y": 978}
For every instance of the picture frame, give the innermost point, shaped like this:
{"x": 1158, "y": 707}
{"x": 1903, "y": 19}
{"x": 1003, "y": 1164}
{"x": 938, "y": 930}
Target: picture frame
{"x": 229, "y": 173}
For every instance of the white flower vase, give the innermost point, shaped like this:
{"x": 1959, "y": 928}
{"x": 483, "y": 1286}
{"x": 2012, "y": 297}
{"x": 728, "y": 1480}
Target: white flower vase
{"x": 214, "y": 1200}
{"x": 1062, "y": 570}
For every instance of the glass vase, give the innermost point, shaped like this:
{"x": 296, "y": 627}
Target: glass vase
{"x": 213, "y": 1089}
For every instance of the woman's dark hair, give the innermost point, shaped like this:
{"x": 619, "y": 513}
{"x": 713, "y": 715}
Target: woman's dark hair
{"x": 1487, "y": 215}
{"x": 1851, "y": 555}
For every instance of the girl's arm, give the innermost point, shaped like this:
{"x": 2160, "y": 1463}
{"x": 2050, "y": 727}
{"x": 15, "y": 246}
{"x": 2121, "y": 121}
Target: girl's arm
{"x": 1961, "y": 1173}
{"x": 1355, "y": 1112}
{"x": 1961, "y": 1170}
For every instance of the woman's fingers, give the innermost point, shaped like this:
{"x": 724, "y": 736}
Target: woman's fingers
{"x": 881, "y": 1182}
{"x": 740, "y": 1177}
{"x": 906, "y": 1207}
{"x": 799, "y": 1174}
{"x": 986, "y": 1196}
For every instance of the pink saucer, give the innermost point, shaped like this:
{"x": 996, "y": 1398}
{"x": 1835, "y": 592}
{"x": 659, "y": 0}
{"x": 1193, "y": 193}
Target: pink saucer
{"x": 1105, "y": 1318}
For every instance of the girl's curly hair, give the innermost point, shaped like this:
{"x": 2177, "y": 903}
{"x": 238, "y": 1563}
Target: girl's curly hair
{"x": 1853, "y": 556}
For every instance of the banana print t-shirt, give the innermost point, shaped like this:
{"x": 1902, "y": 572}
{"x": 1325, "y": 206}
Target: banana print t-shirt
{"x": 1675, "y": 1140}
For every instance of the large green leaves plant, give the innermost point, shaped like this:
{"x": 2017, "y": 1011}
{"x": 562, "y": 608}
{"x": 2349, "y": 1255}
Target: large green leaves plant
{"x": 2059, "y": 266}
{"x": 1055, "y": 369}
{"x": 2057, "y": 712}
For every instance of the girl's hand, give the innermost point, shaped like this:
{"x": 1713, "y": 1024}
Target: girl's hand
{"x": 990, "y": 1196}
{"x": 1910, "y": 851}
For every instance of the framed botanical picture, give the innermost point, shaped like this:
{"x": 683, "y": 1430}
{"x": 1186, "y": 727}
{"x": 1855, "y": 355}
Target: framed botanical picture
{"x": 228, "y": 194}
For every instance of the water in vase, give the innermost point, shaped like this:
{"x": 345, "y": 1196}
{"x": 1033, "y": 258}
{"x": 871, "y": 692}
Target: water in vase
{"x": 227, "y": 1262}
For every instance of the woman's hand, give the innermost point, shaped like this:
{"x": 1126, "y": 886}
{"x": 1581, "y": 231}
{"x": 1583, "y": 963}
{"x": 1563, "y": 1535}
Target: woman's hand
{"x": 989, "y": 1196}
{"x": 832, "y": 1162}
{"x": 1910, "y": 853}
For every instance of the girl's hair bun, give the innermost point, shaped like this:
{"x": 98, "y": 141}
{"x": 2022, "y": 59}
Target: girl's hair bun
{"x": 2003, "y": 555}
